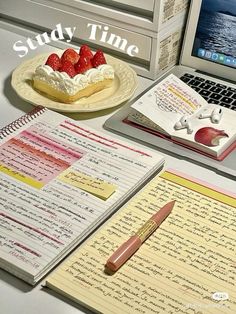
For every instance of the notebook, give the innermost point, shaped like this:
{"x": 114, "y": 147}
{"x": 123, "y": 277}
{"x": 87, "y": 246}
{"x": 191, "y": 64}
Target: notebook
{"x": 209, "y": 55}
{"x": 186, "y": 266}
{"x": 59, "y": 180}
{"x": 172, "y": 110}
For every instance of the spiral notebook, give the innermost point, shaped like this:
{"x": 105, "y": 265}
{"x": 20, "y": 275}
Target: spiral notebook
{"x": 59, "y": 180}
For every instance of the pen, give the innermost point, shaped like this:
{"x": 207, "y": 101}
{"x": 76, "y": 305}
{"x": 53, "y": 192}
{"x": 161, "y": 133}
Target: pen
{"x": 128, "y": 248}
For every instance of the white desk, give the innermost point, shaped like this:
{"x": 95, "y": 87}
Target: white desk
{"x": 15, "y": 295}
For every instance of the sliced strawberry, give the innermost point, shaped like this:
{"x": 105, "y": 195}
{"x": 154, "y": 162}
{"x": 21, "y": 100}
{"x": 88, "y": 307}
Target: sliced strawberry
{"x": 68, "y": 67}
{"x": 70, "y": 55}
{"x": 54, "y": 61}
{"x": 86, "y": 52}
{"x": 98, "y": 59}
{"x": 84, "y": 64}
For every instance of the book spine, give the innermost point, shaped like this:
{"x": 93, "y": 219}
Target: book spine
{"x": 18, "y": 123}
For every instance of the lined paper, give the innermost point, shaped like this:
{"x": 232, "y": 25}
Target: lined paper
{"x": 43, "y": 215}
{"x": 179, "y": 269}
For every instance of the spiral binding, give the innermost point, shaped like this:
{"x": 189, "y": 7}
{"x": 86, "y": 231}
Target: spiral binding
{"x": 18, "y": 123}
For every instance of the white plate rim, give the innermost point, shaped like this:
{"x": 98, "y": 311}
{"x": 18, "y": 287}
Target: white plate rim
{"x": 126, "y": 76}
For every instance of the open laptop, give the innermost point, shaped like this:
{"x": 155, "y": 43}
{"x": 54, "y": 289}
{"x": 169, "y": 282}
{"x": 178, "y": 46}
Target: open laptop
{"x": 207, "y": 64}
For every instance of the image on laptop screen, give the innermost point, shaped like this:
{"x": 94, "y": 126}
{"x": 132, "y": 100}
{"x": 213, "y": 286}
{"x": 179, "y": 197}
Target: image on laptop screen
{"x": 215, "y": 38}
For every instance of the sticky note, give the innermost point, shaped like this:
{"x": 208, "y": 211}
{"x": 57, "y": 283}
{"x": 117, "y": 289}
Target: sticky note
{"x": 89, "y": 184}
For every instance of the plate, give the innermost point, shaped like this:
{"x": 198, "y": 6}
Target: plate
{"x": 122, "y": 88}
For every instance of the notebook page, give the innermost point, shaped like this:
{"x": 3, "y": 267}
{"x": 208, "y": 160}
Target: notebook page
{"x": 44, "y": 212}
{"x": 166, "y": 102}
{"x": 183, "y": 267}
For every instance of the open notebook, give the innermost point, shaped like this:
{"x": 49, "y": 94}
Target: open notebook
{"x": 186, "y": 266}
{"x": 174, "y": 111}
{"x": 59, "y": 180}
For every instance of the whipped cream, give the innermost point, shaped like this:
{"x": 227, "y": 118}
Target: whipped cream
{"x": 64, "y": 83}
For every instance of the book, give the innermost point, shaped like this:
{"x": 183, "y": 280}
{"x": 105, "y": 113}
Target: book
{"x": 173, "y": 110}
{"x": 186, "y": 266}
{"x": 59, "y": 180}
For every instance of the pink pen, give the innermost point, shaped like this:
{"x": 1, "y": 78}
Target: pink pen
{"x": 127, "y": 249}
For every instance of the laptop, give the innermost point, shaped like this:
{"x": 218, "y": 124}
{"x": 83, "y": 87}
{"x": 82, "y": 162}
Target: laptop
{"x": 207, "y": 64}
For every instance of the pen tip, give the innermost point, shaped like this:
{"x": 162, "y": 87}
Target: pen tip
{"x": 172, "y": 203}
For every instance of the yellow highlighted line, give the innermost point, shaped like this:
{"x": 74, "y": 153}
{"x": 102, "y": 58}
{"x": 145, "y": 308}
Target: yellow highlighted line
{"x": 174, "y": 91}
{"x": 21, "y": 177}
{"x": 200, "y": 188}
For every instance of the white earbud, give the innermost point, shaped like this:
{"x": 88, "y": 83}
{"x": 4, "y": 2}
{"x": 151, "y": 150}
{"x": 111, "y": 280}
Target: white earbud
{"x": 183, "y": 123}
{"x": 215, "y": 115}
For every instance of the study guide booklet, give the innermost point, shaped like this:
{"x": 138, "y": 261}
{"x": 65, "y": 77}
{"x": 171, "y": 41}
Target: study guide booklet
{"x": 173, "y": 110}
{"x": 59, "y": 179}
{"x": 186, "y": 266}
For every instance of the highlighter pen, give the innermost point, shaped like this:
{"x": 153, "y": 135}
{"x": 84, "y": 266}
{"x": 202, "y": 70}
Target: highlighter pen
{"x": 128, "y": 248}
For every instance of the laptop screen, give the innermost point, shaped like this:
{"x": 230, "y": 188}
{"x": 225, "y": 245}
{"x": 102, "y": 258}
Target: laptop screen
{"x": 215, "y": 38}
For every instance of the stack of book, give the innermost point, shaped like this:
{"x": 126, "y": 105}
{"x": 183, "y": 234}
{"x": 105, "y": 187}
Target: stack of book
{"x": 146, "y": 34}
{"x": 155, "y": 27}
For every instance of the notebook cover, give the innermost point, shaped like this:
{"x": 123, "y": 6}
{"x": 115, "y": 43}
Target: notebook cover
{"x": 168, "y": 138}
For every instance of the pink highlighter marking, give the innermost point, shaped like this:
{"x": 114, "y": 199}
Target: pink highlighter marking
{"x": 31, "y": 228}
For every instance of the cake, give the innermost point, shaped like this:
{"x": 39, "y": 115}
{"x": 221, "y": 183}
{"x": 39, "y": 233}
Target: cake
{"x": 73, "y": 75}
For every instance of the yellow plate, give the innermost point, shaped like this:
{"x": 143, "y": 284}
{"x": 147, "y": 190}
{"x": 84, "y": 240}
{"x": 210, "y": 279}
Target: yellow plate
{"x": 122, "y": 89}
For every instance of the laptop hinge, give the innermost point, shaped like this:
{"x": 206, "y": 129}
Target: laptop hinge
{"x": 216, "y": 77}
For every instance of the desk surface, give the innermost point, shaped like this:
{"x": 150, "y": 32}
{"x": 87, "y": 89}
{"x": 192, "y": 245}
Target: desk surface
{"x": 15, "y": 295}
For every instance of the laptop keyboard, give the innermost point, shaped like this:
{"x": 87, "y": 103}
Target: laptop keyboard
{"x": 214, "y": 93}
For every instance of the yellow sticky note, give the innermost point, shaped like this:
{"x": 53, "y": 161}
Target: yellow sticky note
{"x": 89, "y": 184}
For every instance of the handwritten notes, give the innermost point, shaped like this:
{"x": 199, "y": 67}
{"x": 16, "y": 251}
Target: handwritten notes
{"x": 171, "y": 95}
{"x": 178, "y": 269}
{"x": 35, "y": 158}
{"x": 89, "y": 184}
{"x": 167, "y": 102}
{"x": 58, "y": 180}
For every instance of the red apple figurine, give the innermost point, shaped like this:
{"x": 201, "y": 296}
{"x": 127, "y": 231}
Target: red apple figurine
{"x": 209, "y": 136}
